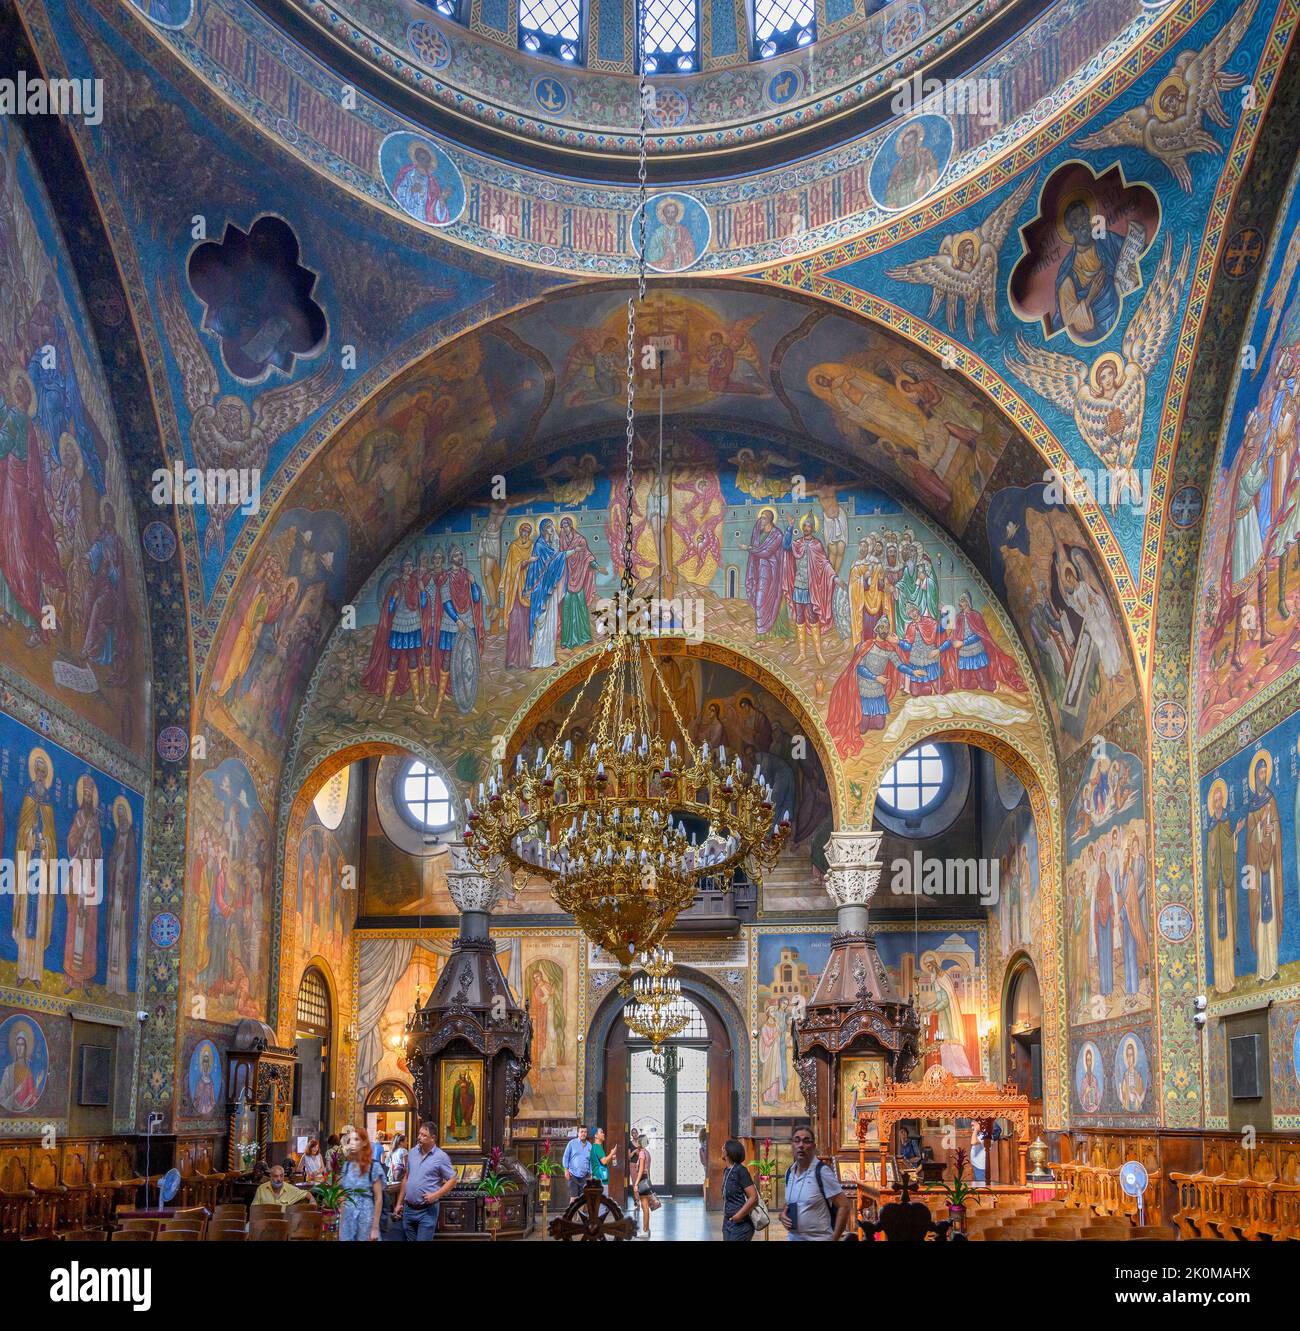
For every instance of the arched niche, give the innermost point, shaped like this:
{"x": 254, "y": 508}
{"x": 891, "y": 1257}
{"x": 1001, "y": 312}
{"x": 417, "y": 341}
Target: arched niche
{"x": 316, "y": 1019}
{"x": 729, "y": 1066}
{"x": 1040, "y": 780}
{"x": 1021, "y": 1025}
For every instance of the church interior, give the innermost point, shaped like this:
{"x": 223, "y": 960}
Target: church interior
{"x": 719, "y": 571}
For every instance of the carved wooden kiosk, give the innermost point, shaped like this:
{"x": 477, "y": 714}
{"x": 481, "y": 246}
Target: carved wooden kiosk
{"x": 259, "y": 1095}
{"x": 468, "y": 1052}
{"x": 940, "y": 1095}
{"x": 854, "y": 1010}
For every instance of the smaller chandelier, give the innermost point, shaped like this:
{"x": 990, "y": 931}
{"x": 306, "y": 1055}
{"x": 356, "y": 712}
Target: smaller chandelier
{"x": 656, "y": 1011}
{"x": 664, "y": 1062}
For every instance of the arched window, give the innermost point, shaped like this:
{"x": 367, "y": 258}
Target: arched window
{"x": 423, "y": 797}
{"x": 551, "y": 27}
{"x": 783, "y": 25}
{"x": 313, "y": 1010}
{"x": 672, "y": 37}
{"x": 917, "y": 782}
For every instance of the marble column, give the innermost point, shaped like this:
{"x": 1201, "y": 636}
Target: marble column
{"x": 853, "y": 876}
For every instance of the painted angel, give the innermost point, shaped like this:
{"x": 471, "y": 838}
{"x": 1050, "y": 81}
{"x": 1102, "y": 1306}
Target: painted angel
{"x": 570, "y": 480}
{"x": 1169, "y": 124}
{"x": 753, "y": 473}
{"x": 224, "y": 432}
{"x": 965, "y": 268}
{"x": 1108, "y": 398}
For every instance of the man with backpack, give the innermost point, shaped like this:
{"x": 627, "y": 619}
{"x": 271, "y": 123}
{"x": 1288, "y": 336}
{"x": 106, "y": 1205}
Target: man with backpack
{"x": 816, "y": 1209}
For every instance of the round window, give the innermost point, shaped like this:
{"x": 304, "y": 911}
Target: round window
{"x": 917, "y": 782}
{"x": 423, "y": 797}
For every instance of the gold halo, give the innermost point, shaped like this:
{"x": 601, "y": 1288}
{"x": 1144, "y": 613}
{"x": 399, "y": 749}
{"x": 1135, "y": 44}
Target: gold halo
{"x": 521, "y": 524}
{"x": 122, "y": 812}
{"x": 952, "y": 245}
{"x": 1107, "y": 358}
{"x": 31, "y": 1038}
{"x": 1174, "y": 80}
{"x": 806, "y": 516}
{"x": 38, "y": 752}
{"x": 1266, "y": 758}
{"x": 1218, "y": 786}
{"x": 94, "y": 789}
{"x": 19, "y": 373}
{"x": 767, "y": 508}
{"x": 1083, "y": 196}
{"x": 416, "y": 144}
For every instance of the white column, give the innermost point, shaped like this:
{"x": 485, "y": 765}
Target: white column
{"x": 853, "y": 875}
{"x": 474, "y": 893}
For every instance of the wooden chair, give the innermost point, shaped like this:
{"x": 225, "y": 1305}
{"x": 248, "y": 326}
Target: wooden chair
{"x": 140, "y": 1222}
{"x": 1154, "y": 1233}
{"x": 304, "y": 1222}
{"x": 268, "y": 1231}
{"x": 15, "y": 1210}
{"x": 84, "y": 1236}
{"x": 266, "y": 1211}
{"x": 1045, "y": 1235}
{"x": 178, "y": 1236}
{"x": 231, "y": 1211}
{"x": 228, "y": 1235}
{"x": 132, "y": 1236}
{"x": 176, "y": 1224}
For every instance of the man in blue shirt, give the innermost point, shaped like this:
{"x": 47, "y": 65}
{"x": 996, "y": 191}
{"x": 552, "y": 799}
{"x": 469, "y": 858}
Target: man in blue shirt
{"x": 577, "y": 1162}
{"x": 430, "y": 1176}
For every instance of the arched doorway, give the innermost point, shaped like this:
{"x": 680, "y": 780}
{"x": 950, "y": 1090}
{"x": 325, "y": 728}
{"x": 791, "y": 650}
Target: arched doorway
{"x": 313, "y": 1025}
{"x": 390, "y": 1109}
{"x": 699, "y": 1097}
{"x": 1022, "y": 1020}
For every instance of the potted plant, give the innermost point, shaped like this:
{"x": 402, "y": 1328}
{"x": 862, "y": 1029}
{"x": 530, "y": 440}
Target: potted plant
{"x": 247, "y": 1155}
{"x": 547, "y": 1167}
{"x": 493, "y": 1187}
{"x": 958, "y": 1191}
{"x": 331, "y": 1194}
{"x": 766, "y": 1166}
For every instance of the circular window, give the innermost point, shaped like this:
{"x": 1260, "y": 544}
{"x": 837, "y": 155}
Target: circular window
{"x": 423, "y": 797}
{"x": 917, "y": 782}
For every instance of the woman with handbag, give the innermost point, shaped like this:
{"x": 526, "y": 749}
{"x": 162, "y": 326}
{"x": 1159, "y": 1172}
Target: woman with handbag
{"x": 741, "y": 1207}
{"x": 639, "y": 1174}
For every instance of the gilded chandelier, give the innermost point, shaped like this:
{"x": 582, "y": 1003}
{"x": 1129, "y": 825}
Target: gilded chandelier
{"x": 605, "y": 824}
{"x": 656, "y": 1012}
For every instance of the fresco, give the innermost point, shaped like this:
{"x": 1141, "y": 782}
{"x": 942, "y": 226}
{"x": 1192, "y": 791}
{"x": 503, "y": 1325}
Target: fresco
{"x": 872, "y": 621}
{"x": 1072, "y": 280}
{"x": 270, "y": 643}
{"x": 1112, "y": 1081}
{"x": 24, "y": 1065}
{"x": 786, "y": 968}
{"x": 1011, "y": 837}
{"x": 911, "y": 161}
{"x": 326, "y": 906}
{"x": 1108, "y": 893}
{"x": 1056, "y": 590}
{"x": 1249, "y": 621}
{"x": 544, "y": 967}
{"x": 203, "y": 1084}
{"x": 944, "y": 973}
{"x": 1250, "y": 819}
{"x": 71, "y": 591}
{"x": 227, "y": 905}
{"x": 54, "y": 807}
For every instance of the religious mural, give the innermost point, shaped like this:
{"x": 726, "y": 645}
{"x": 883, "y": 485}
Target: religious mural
{"x": 1055, "y": 588}
{"x": 1011, "y": 837}
{"x": 271, "y": 641}
{"x": 226, "y": 935}
{"x": 326, "y": 898}
{"x": 873, "y": 621}
{"x": 80, "y": 937}
{"x": 71, "y": 593}
{"x": 1108, "y": 891}
{"x": 1111, "y": 1076}
{"x": 542, "y": 966}
{"x": 1249, "y": 620}
{"x": 1250, "y": 858}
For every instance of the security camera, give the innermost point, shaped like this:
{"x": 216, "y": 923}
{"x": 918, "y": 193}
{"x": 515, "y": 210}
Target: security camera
{"x": 1201, "y": 1016}
{"x": 141, "y": 1015}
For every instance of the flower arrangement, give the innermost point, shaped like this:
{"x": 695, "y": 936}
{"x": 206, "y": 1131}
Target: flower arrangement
{"x": 495, "y": 1183}
{"x": 547, "y": 1165}
{"x": 247, "y": 1155}
{"x": 958, "y": 1190}
{"x": 766, "y": 1162}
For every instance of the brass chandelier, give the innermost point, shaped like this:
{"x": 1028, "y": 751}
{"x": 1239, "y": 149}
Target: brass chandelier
{"x": 605, "y": 824}
{"x": 656, "y": 1011}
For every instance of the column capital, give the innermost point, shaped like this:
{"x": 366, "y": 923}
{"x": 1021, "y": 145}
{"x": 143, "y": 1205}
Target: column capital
{"x": 853, "y": 872}
{"x": 470, "y": 890}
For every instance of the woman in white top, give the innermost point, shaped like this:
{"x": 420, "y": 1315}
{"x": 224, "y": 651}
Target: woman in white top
{"x": 312, "y": 1164}
{"x": 397, "y": 1159}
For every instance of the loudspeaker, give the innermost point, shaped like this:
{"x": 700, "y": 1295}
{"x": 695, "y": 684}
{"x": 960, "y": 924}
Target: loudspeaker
{"x": 1243, "y": 1067}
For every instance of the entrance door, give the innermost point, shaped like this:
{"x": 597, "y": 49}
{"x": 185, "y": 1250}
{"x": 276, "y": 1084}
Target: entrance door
{"x": 672, "y": 1113}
